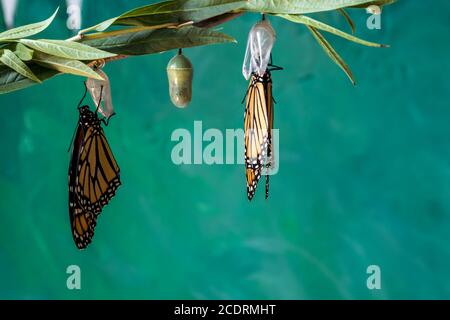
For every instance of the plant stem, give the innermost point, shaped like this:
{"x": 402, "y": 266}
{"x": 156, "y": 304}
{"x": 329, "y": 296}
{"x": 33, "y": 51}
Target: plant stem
{"x": 106, "y": 60}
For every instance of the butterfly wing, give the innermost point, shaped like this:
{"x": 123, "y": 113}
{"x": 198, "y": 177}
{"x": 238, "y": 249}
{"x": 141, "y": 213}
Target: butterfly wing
{"x": 252, "y": 176}
{"x": 256, "y": 124}
{"x": 82, "y": 222}
{"x": 99, "y": 174}
{"x": 258, "y": 120}
{"x": 94, "y": 177}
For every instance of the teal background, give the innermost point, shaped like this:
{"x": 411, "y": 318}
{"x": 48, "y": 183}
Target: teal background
{"x": 364, "y": 172}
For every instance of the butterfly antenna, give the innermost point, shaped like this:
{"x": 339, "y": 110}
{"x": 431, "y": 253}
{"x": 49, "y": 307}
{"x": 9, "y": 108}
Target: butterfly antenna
{"x": 84, "y": 96}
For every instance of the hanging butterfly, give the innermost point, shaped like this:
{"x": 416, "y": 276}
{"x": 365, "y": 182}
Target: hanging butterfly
{"x": 258, "y": 125}
{"x": 94, "y": 175}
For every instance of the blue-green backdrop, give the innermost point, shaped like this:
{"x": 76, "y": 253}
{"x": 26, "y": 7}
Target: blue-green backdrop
{"x": 364, "y": 172}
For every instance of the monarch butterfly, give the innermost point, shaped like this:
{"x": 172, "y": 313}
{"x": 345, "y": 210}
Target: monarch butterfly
{"x": 94, "y": 175}
{"x": 258, "y": 125}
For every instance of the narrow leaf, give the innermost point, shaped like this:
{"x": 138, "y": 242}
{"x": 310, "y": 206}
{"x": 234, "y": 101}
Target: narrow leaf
{"x": 214, "y": 21}
{"x": 23, "y": 52}
{"x": 67, "y": 49}
{"x": 11, "y": 80}
{"x": 348, "y": 19}
{"x": 301, "y": 6}
{"x": 178, "y": 11}
{"x": 65, "y": 65}
{"x": 102, "y": 26}
{"x": 325, "y": 27}
{"x": 153, "y": 41}
{"x": 11, "y": 60}
{"x": 171, "y": 12}
{"x": 332, "y": 53}
{"x": 27, "y": 30}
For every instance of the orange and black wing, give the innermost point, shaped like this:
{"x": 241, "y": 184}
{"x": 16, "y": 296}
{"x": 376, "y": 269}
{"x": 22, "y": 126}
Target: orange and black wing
{"x": 98, "y": 173}
{"x": 94, "y": 177}
{"x": 252, "y": 176}
{"x": 82, "y": 222}
{"x": 258, "y": 121}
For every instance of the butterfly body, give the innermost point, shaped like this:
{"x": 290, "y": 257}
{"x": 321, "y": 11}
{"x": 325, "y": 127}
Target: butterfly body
{"x": 94, "y": 176}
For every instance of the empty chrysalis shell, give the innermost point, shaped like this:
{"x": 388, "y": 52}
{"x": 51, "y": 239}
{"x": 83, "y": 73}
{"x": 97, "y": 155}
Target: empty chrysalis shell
{"x": 259, "y": 47}
{"x": 103, "y": 87}
{"x": 180, "y": 74}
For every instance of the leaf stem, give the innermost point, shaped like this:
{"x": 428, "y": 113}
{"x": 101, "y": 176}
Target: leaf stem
{"x": 106, "y": 60}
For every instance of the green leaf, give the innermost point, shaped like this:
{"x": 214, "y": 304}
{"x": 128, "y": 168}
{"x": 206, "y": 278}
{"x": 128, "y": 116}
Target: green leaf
{"x": 27, "y": 30}
{"x": 11, "y": 80}
{"x": 329, "y": 50}
{"x": 9, "y": 59}
{"x": 217, "y": 20}
{"x": 348, "y": 19}
{"x": 301, "y": 6}
{"x": 178, "y": 12}
{"x": 67, "y": 49}
{"x": 65, "y": 65}
{"x": 325, "y": 27}
{"x": 23, "y": 52}
{"x": 102, "y": 26}
{"x": 153, "y": 41}
{"x": 174, "y": 11}
{"x": 53, "y": 57}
